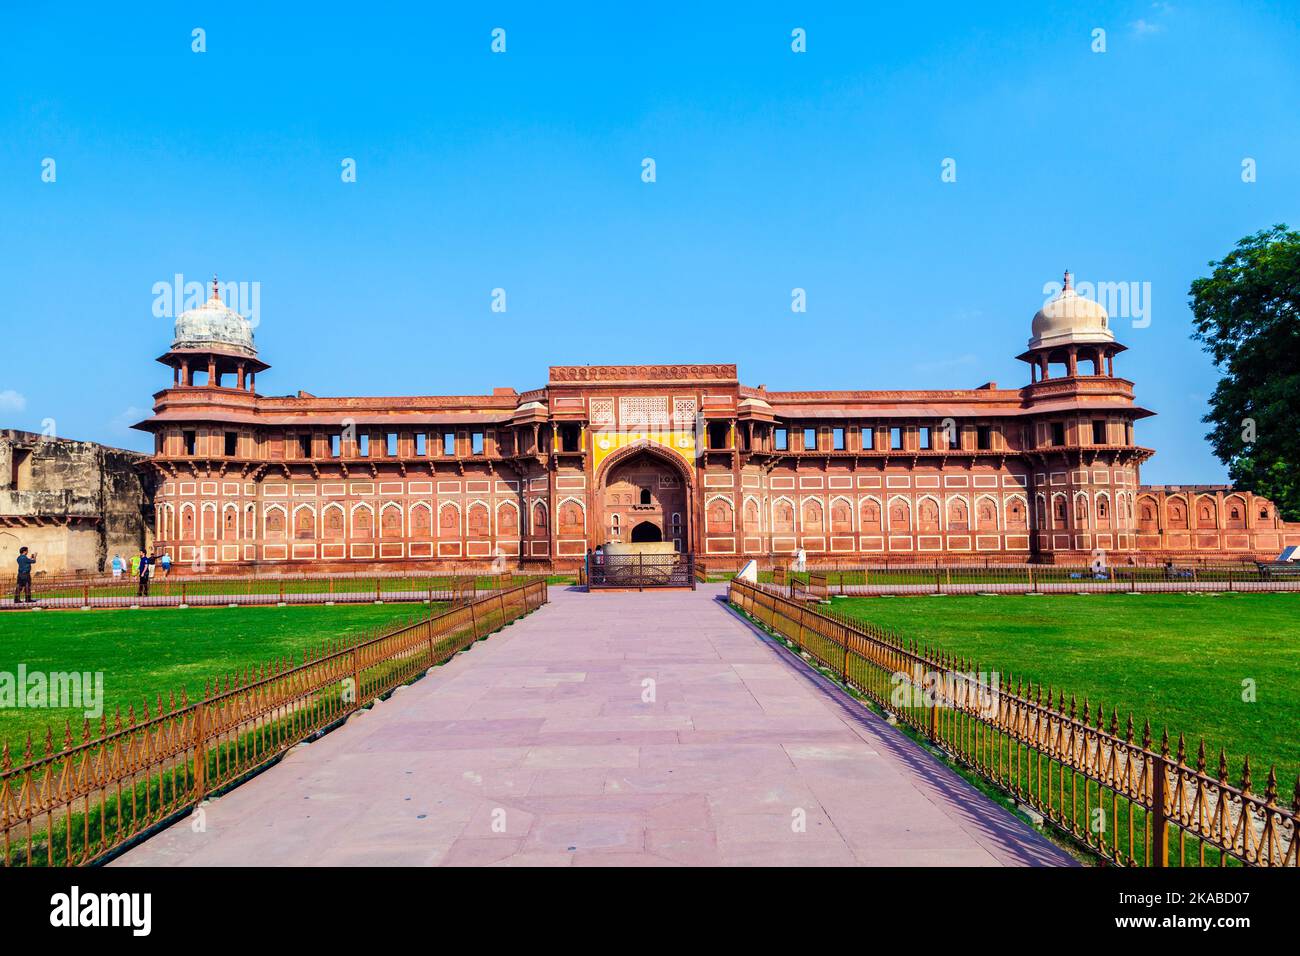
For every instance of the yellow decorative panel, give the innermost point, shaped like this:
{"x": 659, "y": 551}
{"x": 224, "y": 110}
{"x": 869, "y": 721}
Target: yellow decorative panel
{"x": 680, "y": 442}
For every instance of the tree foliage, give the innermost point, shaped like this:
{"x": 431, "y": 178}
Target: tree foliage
{"x": 1247, "y": 315}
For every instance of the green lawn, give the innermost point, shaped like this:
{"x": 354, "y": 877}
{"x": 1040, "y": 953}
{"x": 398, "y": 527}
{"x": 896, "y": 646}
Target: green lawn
{"x": 150, "y": 651}
{"x": 1180, "y": 660}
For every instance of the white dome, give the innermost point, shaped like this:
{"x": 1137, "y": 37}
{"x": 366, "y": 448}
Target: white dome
{"x": 214, "y": 326}
{"x": 1070, "y": 319}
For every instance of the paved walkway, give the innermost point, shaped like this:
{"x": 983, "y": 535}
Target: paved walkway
{"x": 606, "y": 729}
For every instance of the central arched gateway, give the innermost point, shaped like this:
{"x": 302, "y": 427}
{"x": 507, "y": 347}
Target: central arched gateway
{"x": 645, "y": 496}
{"x": 646, "y": 531}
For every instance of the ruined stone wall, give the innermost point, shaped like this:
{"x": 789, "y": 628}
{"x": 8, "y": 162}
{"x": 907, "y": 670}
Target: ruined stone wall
{"x": 74, "y": 503}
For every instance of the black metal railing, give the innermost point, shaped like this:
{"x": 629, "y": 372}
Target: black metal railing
{"x": 641, "y": 571}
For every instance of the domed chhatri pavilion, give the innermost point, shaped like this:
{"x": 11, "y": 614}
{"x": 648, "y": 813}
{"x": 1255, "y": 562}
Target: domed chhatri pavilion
{"x": 678, "y": 453}
{"x": 213, "y": 341}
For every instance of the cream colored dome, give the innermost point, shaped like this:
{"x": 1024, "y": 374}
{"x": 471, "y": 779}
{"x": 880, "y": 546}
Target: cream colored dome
{"x": 1070, "y": 319}
{"x": 215, "y": 326}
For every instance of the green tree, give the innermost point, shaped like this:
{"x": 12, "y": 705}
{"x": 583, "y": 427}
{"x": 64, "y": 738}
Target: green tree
{"x": 1247, "y": 314}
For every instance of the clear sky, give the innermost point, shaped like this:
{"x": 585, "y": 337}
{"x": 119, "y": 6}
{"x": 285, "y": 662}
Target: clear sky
{"x": 523, "y": 171}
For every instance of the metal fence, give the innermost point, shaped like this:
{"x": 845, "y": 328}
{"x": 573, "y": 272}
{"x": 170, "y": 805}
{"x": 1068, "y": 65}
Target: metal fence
{"x": 1028, "y": 579}
{"x": 641, "y": 571}
{"x": 768, "y": 563}
{"x": 76, "y": 803}
{"x": 101, "y": 591}
{"x": 1127, "y": 798}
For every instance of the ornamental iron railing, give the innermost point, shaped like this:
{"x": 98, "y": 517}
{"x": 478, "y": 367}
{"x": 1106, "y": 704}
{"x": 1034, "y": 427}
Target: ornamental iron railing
{"x": 823, "y": 580}
{"x": 1130, "y": 799}
{"x": 641, "y": 571}
{"x": 78, "y": 802}
{"x": 105, "y": 591}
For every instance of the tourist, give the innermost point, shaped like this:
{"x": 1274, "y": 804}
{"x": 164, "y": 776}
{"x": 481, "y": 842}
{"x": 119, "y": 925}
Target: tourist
{"x": 166, "y": 563}
{"x": 118, "y": 565}
{"x": 135, "y": 565}
{"x": 142, "y": 589}
{"x": 25, "y": 563}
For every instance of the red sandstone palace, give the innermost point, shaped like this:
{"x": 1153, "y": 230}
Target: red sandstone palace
{"x": 686, "y": 453}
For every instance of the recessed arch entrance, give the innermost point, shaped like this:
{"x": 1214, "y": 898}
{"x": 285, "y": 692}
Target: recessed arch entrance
{"x": 646, "y": 531}
{"x": 644, "y": 494}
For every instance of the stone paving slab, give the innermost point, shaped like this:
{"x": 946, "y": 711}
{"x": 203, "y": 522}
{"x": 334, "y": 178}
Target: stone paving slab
{"x": 619, "y": 729}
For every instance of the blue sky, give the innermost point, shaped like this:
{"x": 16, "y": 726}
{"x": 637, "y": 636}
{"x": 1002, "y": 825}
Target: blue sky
{"x": 522, "y": 171}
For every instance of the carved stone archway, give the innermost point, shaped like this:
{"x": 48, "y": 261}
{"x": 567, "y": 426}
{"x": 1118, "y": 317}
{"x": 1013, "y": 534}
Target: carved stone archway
{"x": 644, "y": 484}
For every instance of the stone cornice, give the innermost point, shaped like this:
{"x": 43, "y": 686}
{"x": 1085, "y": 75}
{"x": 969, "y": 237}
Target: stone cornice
{"x": 985, "y": 395}
{"x": 633, "y": 374}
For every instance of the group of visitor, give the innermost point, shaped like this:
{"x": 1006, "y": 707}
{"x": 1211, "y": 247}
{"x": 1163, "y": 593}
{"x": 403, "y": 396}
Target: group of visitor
{"x": 592, "y": 559}
{"x": 143, "y": 567}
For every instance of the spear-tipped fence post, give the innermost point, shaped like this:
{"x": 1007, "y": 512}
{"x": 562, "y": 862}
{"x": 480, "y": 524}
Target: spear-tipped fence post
{"x": 1159, "y": 821}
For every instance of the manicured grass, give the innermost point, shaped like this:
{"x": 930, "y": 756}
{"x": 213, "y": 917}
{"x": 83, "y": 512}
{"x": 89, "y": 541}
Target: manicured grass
{"x": 146, "y": 652}
{"x": 1180, "y": 660}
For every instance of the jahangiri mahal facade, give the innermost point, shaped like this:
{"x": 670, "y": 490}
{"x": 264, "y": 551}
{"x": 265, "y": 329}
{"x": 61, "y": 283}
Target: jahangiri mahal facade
{"x": 1049, "y": 471}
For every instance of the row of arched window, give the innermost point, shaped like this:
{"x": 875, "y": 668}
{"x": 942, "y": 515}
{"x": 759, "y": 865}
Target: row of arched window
{"x": 210, "y": 521}
{"x": 842, "y": 516}
{"x": 1178, "y": 511}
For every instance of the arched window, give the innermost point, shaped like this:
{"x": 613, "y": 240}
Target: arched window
{"x": 507, "y": 520}
{"x": 645, "y": 496}
{"x": 718, "y": 516}
{"x": 870, "y": 515}
{"x": 841, "y": 516}
{"x": 957, "y": 516}
{"x": 476, "y": 519}
{"x": 782, "y": 516}
{"x": 571, "y": 518}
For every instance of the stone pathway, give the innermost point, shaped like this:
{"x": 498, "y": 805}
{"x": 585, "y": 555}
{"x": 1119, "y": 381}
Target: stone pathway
{"x": 609, "y": 729}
